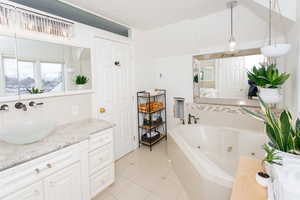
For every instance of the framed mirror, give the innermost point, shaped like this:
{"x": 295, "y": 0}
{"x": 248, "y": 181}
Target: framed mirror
{"x": 221, "y": 78}
{"x": 36, "y": 67}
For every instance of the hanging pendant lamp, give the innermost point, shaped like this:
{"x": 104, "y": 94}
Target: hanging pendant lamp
{"x": 273, "y": 49}
{"x": 232, "y": 41}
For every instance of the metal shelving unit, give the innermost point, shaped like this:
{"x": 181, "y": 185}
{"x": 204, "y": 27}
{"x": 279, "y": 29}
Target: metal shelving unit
{"x": 152, "y": 117}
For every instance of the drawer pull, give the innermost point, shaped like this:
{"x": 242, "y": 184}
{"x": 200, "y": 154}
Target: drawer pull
{"x": 49, "y": 165}
{"x": 37, "y": 170}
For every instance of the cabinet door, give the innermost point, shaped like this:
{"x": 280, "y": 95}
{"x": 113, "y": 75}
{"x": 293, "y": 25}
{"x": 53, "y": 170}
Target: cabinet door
{"x": 33, "y": 192}
{"x": 64, "y": 185}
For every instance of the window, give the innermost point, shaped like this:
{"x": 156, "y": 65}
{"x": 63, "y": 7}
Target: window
{"x": 11, "y": 75}
{"x": 52, "y": 77}
{"x": 26, "y": 72}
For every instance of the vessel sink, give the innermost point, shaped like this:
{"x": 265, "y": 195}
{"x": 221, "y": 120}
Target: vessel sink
{"x": 26, "y": 132}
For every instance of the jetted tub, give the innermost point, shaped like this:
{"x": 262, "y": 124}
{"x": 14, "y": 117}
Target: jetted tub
{"x": 205, "y": 158}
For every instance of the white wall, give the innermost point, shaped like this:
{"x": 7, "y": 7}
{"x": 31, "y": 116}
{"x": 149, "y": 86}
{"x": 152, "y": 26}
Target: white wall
{"x": 172, "y": 47}
{"x": 292, "y": 96}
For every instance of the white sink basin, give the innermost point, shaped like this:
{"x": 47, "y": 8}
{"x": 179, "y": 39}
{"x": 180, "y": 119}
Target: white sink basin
{"x": 26, "y": 132}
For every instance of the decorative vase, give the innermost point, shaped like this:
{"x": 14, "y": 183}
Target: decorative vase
{"x": 286, "y": 178}
{"x": 270, "y": 95}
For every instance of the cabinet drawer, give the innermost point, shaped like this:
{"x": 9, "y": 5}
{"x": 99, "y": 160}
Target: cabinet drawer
{"x": 30, "y": 172}
{"x": 101, "y": 180}
{"x": 33, "y": 192}
{"x": 99, "y": 139}
{"x": 99, "y": 158}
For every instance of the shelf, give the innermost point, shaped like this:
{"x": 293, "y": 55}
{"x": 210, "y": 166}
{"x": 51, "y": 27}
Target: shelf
{"x": 148, "y": 105}
{"x": 43, "y": 95}
{"x": 152, "y": 127}
{"x": 154, "y": 111}
{"x": 162, "y": 136}
{"x": 151, "y": 95}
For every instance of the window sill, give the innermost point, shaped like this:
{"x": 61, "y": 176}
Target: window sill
{"x": 43, "y": 96}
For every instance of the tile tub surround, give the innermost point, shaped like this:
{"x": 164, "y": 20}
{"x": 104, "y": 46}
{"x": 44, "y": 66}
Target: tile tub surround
{"x": 63, "y": 136}
{"x": 221, "y": 115}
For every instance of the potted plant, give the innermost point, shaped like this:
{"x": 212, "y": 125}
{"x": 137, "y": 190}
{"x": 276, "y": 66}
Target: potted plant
{"x": 271, "y": 158}
{"x": 34, "y": 90}
{"x": 80, "y": 81}
{"x": 268, "y": 79}
{"x": 284, "y": 139}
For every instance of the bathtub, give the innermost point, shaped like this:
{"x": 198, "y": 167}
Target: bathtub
{"x": 205, "y": 158}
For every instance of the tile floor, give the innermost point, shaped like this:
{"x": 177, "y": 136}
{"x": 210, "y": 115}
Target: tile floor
{"x": 145, "y": 175}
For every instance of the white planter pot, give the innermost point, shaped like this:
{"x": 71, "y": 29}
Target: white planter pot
{"x": 286, "y": 178}
{"x": 80, "y": 87}
{"x": 275, "y": 50}
{"x": 270, "y": 95}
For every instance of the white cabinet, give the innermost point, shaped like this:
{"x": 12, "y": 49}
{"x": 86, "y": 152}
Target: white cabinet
{"x": 64, "y": 185}
{"x": 33, "y": 192}
{"x": 77, "y": 172}
{"x": 101, "y": 162}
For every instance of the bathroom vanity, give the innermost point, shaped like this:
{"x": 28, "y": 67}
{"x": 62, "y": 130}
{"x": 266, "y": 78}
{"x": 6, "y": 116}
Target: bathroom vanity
{"x": 75, "y": 162}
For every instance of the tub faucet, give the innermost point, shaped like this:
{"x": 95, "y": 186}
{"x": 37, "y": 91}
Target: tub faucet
{"x": 21, "y": 105}
{"x": 192, "y": 117}
{"x": 4, "y": 107}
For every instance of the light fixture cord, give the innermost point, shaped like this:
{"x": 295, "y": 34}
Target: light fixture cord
{"x": 231, "y": 15}
{"x": 270, "y": 23}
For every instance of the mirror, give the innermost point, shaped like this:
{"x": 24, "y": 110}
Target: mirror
{"x": 8, "y": 69}
{"x": 42, "y": 67}
{"x": 222, "y": 78}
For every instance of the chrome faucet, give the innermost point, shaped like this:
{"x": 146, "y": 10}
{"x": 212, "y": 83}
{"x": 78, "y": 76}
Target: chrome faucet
{"x": 192, "y": 117}
{"x": 34, "y": 104}
{"x": 21, "y": 105}
{"x": 4, "y": 107}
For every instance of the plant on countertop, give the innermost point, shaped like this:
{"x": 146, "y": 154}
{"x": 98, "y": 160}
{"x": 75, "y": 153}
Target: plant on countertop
{"x": 283, "y": 133}
{"x": 81, "y": 80}
{"x": 267, "y": 76}
{"x": 34, "y": 90}
{"x": 271, "y": 158}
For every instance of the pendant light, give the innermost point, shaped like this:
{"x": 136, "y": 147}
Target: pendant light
{"x": 273, "y": 49}
{"x": 232, "y": 41}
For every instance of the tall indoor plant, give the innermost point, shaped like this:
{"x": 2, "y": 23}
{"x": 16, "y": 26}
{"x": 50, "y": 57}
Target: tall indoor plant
{"x": 284, "y": 137}
{"x": 268, "y": 79}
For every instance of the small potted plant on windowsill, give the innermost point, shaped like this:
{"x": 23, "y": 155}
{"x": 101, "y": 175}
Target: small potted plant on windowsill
{"x": 284, "y": 140}
{"x": 34, "y": 90}
{"x": 268, "y": 79}
{"x": 81, "y": 81}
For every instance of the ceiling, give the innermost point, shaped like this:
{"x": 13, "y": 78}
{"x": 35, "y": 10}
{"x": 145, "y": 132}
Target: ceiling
{"x": 149, "y": 14}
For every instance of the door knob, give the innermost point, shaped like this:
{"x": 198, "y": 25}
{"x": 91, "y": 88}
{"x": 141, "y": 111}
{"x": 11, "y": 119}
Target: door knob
{"x": 102, "y": 110}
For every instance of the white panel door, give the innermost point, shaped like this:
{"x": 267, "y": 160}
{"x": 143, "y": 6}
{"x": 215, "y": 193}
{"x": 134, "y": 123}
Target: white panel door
{"x": 232, "y": 81}
{"x": 113, "y": 91}
{"x": 65, "y": 184}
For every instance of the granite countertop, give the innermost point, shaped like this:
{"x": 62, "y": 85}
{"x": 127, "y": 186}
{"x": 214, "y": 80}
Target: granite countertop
{"x": 63, "y": 136}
